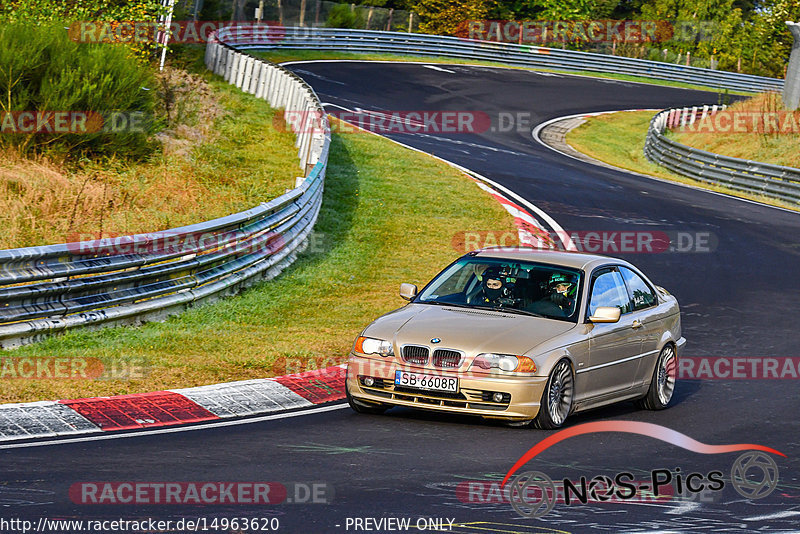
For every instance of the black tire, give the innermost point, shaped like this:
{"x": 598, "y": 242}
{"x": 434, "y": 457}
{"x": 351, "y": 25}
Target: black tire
{"x": 362, "y": 407}
{"x": 662, "y": 384}
{"x": 557, "y": 397}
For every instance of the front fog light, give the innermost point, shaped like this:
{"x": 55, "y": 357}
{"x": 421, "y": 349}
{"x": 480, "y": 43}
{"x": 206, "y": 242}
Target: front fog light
{"x": 369, "y": 381}
{"x": 497, "y": 397}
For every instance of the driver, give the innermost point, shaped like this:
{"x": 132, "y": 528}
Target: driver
{"x": 493, "y": 285}
{"x": 562, "y": 291}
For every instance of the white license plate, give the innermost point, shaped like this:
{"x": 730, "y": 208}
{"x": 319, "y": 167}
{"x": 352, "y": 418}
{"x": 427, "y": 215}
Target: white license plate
{"x": 431, "y": 382}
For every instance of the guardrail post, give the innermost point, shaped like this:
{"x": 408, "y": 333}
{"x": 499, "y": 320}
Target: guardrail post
{"x": 244, "y": 61}
{"x": 271, "y": 85}
{"x": 219, "y": 64}
{"x": 791, "y": 87}
{"x": 297, "y": 109}
{"x": 280, "y": 100}
{"x": 209, "y": 57}
{"x": 288, "y": 89}
{"x": 255, "y": 77}
{"x": 248, "y": 73}
{"x": 262, "y": 79}
{"x": 230, "y": 63}
{"x": 272, "y": 89}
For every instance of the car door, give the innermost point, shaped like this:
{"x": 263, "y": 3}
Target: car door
{"x": 644, "y": 310}
{"x": 614, "y": 348}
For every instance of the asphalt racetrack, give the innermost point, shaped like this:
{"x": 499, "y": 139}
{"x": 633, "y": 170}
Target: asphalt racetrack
{"x": 739, "y": 299}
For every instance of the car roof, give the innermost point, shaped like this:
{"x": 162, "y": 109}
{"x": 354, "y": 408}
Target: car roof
{"x": 575, "y": 260}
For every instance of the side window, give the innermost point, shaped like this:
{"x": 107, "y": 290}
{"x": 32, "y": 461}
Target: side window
{"x": 642, "y": 295}
{"x": 608, "y": 289}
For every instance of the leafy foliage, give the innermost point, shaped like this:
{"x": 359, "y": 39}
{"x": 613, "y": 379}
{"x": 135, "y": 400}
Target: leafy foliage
{"x": 342, "y": 16}
{"x": 739, "y": 35}
{"x": 444, "y": 16}
{"x": 48, "y": 12}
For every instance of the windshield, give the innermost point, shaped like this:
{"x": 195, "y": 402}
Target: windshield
{"x": 517, "y": 287}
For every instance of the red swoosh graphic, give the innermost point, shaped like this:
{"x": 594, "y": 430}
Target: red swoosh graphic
{"x": 634, "y": 427}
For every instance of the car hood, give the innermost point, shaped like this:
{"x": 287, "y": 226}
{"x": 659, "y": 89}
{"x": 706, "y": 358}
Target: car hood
{"x": 471, "y": 330}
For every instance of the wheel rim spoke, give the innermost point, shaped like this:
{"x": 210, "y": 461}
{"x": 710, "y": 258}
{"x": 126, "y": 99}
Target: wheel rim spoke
{"x": 560, "y": 394}
{"x": 666, "y": 375}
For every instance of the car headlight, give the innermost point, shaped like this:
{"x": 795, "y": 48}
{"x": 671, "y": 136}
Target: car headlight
{"x": 370, "y": 345}
{"x": 506, "y": 363}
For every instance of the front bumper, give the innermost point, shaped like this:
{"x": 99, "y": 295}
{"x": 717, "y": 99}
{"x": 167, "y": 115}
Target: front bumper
{"x": 524, "y": 393}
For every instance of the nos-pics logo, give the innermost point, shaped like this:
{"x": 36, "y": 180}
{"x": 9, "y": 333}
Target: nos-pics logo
{"x": 754, "y": 474}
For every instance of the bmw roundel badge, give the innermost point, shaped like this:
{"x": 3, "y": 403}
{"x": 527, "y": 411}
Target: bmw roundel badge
{"x": 436, "y": 340}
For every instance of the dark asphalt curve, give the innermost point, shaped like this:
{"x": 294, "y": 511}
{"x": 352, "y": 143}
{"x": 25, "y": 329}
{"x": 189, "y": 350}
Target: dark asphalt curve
{"x": 738, "y": 300}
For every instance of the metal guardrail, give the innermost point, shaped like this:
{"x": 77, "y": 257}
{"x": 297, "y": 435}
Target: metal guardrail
{"x": 773, "y": 181}
{"x": 370, "y": 41}
{"x": 47, "y": 289}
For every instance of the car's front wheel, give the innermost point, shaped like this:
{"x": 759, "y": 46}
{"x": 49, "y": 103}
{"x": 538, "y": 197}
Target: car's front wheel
{"x": 361, "y": 407}
{"x": 662, "y": 385}
{"x": 557, "y": 397}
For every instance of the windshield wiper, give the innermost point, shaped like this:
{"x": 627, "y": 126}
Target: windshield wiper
{"x": 489, "y": 308}
{"x": 440, "y": 303}
{"x": 523, "y": 312}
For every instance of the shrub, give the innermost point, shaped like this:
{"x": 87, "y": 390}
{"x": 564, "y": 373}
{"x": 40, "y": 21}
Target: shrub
{"x": 44, "y": 12}
{"x": 42, "y": 70}
{"x": 341, "y": 16}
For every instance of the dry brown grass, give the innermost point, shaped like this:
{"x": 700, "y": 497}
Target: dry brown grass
{"x": 618, "y": 139}
{"x": 777, "y": 148}
{"x": 42, "y": 202}
{"x": 211, "y": 164}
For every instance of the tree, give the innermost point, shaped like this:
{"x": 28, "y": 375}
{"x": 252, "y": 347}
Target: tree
{"x": 444, "y": 16}
{"x": 568, "y": 9}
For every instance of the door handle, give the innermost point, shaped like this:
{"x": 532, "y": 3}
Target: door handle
{"x": 637, "y": 324}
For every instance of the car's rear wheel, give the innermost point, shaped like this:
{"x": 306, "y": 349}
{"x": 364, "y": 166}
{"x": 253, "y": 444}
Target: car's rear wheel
{"x": 363, "y": 407}
{"x": 662, "y": 385}
{"x": 557, "y": 397}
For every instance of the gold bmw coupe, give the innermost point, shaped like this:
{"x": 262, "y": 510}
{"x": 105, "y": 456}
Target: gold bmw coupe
{"x": 521, "y": 335}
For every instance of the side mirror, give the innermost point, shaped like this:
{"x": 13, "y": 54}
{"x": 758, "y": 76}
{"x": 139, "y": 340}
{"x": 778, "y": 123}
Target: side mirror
{"x": 605, "y": 314}
{"x": 408, "y": 291}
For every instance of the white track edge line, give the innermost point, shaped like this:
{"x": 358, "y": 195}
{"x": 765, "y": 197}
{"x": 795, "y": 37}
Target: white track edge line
{"x": 566, "y": 240}
{"x": 537, "y": 130}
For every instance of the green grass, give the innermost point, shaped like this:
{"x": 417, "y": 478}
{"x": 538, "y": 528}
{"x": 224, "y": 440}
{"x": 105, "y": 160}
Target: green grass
{"x": 282, "y": 55}
{"x": 775, "y": 148}
{"x": 388, "y": 216}
{"x": 618, "y": 139}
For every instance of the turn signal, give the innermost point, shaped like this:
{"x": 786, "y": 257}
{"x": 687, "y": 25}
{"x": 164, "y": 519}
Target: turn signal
{"x": 526, "y": 365}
